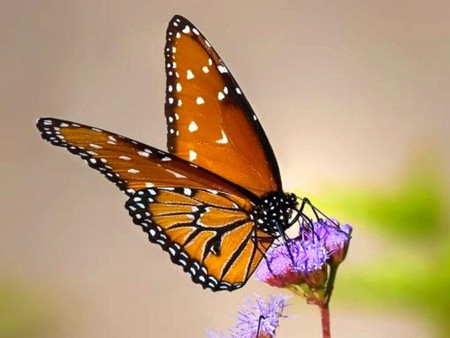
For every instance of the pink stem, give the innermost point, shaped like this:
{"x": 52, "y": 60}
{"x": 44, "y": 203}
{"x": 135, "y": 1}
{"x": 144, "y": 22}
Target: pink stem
{"x": 325, "y": 315}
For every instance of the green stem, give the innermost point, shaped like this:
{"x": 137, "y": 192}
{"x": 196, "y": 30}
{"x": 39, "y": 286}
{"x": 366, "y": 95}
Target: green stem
{"x": 330, "y": 283}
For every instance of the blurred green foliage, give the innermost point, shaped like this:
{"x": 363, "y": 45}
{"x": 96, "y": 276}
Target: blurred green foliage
{"x": 408, "y": 265}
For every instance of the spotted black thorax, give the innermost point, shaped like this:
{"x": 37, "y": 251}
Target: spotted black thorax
{"x": 273, "y": 213}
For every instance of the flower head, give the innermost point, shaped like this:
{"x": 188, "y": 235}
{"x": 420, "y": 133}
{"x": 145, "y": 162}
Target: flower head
{"x": 333, "y": 237}
{"x": 301, "y": 264}
{"x": 287, "y": 263}
{"x": 259, "y": 319}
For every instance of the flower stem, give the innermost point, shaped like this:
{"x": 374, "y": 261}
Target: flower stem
{"x": 325, "y": 316}
{"x": 330, "y": 283}
{"x": 324, "y": 305}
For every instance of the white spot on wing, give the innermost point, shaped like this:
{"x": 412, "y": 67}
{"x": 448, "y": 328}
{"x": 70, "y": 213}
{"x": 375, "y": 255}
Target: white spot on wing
{"x": 192, "y": 155}
{"x": 224, "y": 139}
{"x": 222, "y": 69}
{"x": 205, "y": 69}
{"x": 177, "y": 175}
{"x": 179, "y": 87}
{"x": 125, "y": 158}
{"x": 200, "y": 100}
{"x": 220, "y": 96}
{"x": 189, "y": 74}
{"x": 186, "y": 29}
{"x": 193, "y": 127}
{"x": 133, "y": 171}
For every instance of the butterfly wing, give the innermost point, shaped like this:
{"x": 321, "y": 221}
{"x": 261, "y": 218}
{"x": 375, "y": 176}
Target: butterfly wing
{"x": 131, "y": 165}
{"x": 204, "y": 222}
{"x": 209, "y": 120}
{"x": 205, "y": 231}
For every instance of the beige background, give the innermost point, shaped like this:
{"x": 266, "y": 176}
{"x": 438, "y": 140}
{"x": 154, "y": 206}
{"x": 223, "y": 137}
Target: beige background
{"x": 344, "y": 89}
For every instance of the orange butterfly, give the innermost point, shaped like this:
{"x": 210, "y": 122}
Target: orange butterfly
{"x": 214, "y": 202}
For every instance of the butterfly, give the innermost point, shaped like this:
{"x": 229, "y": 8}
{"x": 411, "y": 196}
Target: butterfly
{"x": 214, "y": 201}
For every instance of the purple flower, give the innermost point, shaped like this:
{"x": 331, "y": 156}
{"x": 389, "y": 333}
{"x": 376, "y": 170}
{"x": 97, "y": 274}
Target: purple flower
{"x": 287, "y": 263}
{"x": 335, "y": 238}
{"x": 258, "y": 315}
{"x": 302, "y": 257}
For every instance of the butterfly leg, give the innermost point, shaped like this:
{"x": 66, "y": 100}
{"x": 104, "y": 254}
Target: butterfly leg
{"x": 301, "y": 214}
{"x": 319, "y": 215}
{"x": 257, "y": 240}
{"x": 285, "y": 239}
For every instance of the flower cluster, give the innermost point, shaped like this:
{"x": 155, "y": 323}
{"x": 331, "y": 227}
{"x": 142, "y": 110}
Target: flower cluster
{"x": 259, "y": 319}
{"x": 302, "y": 263}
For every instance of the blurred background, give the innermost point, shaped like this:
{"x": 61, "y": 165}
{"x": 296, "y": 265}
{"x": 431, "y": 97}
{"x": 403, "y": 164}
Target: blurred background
{"x": 354, "y": 97}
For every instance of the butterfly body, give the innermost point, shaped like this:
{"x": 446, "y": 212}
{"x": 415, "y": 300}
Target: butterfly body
{"x": 214, "y": 201}
{"x": 272, "y": 214}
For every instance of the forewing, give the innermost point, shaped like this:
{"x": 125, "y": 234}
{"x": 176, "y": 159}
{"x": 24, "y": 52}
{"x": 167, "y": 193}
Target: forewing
{"x": 131, "y": 165}
{"x": 207, "y": 232}
{"x": 209, "y": 120}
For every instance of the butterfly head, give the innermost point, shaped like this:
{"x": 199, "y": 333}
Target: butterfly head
{"x": 273, "y": 213}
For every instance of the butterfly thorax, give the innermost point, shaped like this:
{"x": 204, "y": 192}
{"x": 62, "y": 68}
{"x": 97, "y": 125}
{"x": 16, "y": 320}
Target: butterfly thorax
{"x": 272, "y": 214}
